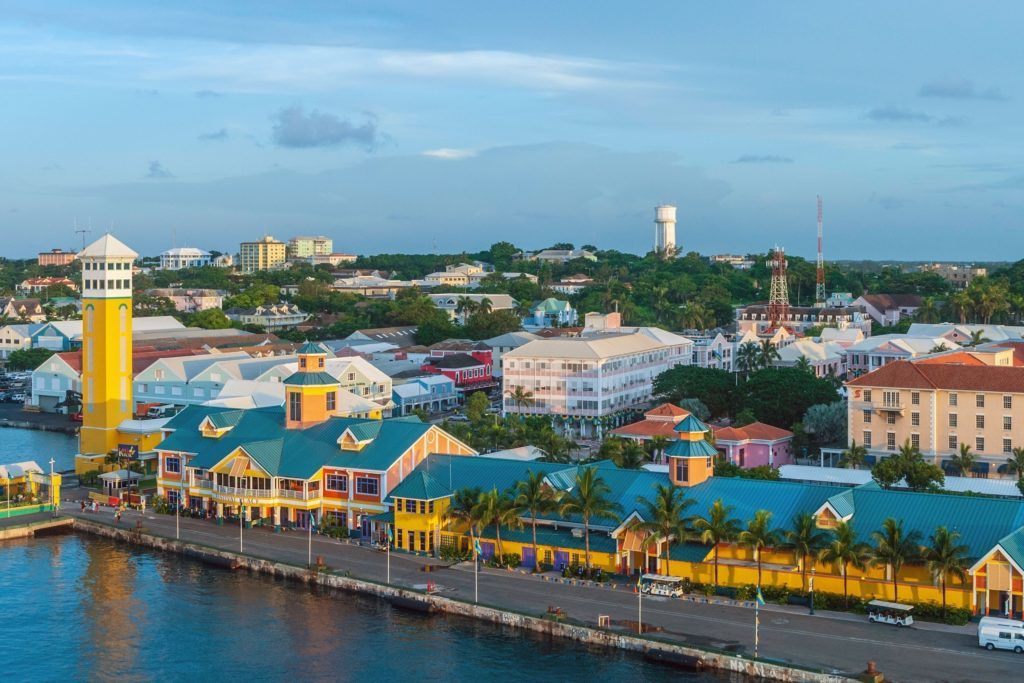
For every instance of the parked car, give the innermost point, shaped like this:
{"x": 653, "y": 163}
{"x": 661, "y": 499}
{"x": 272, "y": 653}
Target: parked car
{"x": 17, "y": 398}
{"x": 458, "y": 417}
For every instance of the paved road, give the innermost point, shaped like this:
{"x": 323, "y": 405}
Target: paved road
{"x": 828, "y": 641}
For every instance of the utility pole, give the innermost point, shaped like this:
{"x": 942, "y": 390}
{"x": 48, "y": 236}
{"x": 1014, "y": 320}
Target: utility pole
{"x": 82, "y": 231}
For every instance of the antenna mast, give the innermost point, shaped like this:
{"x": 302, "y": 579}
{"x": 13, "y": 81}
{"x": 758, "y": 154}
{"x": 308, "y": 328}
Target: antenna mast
{"x": 83, "y": 232}
{"x": 819, "y": 286}
{"x": 778, "y": 301}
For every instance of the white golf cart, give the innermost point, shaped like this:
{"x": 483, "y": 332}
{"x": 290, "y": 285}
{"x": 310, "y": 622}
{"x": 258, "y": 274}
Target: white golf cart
{"x": 656, "y": 584}
{"x": 882, "y": 612}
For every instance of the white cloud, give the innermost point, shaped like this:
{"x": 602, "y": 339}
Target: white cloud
{"x": 449, "y": 153}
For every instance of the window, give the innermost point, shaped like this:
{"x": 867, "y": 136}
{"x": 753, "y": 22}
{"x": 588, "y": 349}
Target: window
{"x": 890, "y": 441}
{"x": 915, "y": 440}
{"x": 1007, "y": 402}
{"x": 867, "y": 439}
{"x": 423, "y": 540}
{"x": 1007, "y": 446}
{"x": 172, "y": 465}
{"x": 867, "y": 417}
{"x": 952, "y": 419}
{"x": 979, "y": 444}
{"x": 172, "y": 497}
{"x": 979, "y": 400}
{"x": 682, "y": 470}
{"x": 295, "y": 406}
{"x": 890, "y": 418}
{"x": 915, "y": 419}
{"x": 952, "y": 399}
{"x": 398, "y": 537}
{"x": 979, "y": 421}
{"x": 337, "y": 482}
{"x": 410, "y": 505}
{"x": 332, "y": 401}
{"x": 430, "y": 507}
{"x": 891, "y": 398}
{"x": 1007, "y": 422}
{"x": 867, "y": 395}
{"x": 412, "y": 540}
{"x": 915, "y": 398}
{"x": 367, "y": 486}
{"x": 952, "y": 442}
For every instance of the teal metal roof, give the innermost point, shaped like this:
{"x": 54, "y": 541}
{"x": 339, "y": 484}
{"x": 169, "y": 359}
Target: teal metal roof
{"x": 454, "y": 472}
{"x": 365, "y": 431}
{"x": 311, "y": 348}
{"x": 297, "y": 453}
{"x": 843, "y": 503}
{"x": 691, "y": 424}
{"x": 1013, "y": 544}
{"x": 384, "y": 517}
{"x": 691, "y": 449}
{"x": 420, "y": 486}
{"x": 226, "y": 419}
{"x": 310, "y": 379}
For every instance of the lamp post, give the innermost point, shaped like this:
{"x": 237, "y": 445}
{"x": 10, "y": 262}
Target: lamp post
{"x": 53, "y": 508}
{"x": 241, "y": 523}
{"x": 812, "y": 589}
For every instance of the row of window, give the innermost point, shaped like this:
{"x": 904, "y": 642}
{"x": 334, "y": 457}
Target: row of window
{"x": 333, "y": 482}
{"x": 412, "y": 506}
{"x": 953, "y": 442}
{"x": 407, "y": 540}
{"x": 892, "y": 398}
{"x": 367, "y": 486}
{"x": 103, "y": 265}
{"x": 102, "y": 284}
{"x": 915, "y": 420}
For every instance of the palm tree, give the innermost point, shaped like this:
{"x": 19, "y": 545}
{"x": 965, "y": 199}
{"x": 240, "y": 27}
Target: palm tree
{"x": 767, "y": 353}
{"x": 589, "y": 498}
{"x": 534, "y": 497}
{"x": 631, "y": 456}
{"x": 805, "y": 540}
{"x": 465, "y": 306}
{"x": 854, "y": 456}
{"x": 523, "y": 309}
{"x": 759, "y": 535}
{"x": 843, "y": 552}
{"x": 963, "y": 460}
{"x": 696, "y": 316}
{"x": 946, "y": 559}
{"x": 718, "y": 527}
{"x": 462, "y": 509}
{"x": 959, "y": 304}
{"x": 664, "y": 519}
{"x": 521, "y": 397}
{"x": 893, "y": 548}
{"x": 803, "y": 364}
{"x": 1015, "y": 463}
{"x": 928, "y": 311}
{"x": 748, "y": 357}
{"x": 939, "y": 348}
{"x": 484, "y": 306}
{"x": 497, "y": 508}
{"x": 977, "y": 337}
{"x": 658, "y": 444}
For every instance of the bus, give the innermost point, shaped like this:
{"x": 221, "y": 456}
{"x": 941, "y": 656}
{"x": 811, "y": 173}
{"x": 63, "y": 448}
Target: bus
{"x": 656, "y": 584}
{"x": 995, "y": 633}
{"x": 882, "y": 612}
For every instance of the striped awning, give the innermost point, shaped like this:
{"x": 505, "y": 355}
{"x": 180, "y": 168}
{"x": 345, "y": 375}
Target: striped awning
{"x": 238, "y": 466}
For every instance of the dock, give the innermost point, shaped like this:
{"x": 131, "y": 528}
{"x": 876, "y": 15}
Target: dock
{"x": 26, "y": 526}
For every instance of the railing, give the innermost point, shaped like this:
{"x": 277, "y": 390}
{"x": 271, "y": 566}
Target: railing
{"x": 200, "y": 483}
{"x": 250, "y": 493}
{"x": 297, "y": 495}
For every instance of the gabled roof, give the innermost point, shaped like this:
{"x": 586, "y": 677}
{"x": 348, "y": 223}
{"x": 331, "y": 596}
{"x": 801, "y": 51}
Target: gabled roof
{"x": 667, "y": 410}
{"x": 691, "y": 423}
{"x": 756, "y": 431}
{"x": 455, "y": 361}
{"x": 889, "y": 302}
{"x": 916, "y": 375}
{"x": 312, "y": 348}
{"x": 108, "y": 246}
{"x": 421, "y": 486}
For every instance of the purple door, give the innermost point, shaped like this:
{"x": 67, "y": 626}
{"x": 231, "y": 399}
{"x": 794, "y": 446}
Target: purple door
{"x": 487, "y": 549}
{"x": 561, "y": 559}
{"x": 529, "y": 557}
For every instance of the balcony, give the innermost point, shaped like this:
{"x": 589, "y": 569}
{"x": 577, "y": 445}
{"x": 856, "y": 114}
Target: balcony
{"x": 890, "y": 407}
{"x": 244, "y": 493}
{"x": 298, "y": 495}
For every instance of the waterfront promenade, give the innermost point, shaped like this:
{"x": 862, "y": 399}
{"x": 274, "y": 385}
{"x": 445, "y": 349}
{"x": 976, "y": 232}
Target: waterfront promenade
{"x": 830, "y": 641}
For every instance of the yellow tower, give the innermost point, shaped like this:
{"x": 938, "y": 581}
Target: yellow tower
{"x": 106, "y": 347}
{"x": 311, "y": 393}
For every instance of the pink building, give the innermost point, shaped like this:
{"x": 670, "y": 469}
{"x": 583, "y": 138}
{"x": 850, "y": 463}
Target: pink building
{"x": 755, "y": 444}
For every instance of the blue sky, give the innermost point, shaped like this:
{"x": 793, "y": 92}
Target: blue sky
{"x": 398, "y": 126}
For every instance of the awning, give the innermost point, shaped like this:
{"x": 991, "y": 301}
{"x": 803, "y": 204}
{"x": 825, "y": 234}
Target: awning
{"x": 870, "y": 459}
{"x": 632, "y": 540}
{"x": 980, "y": 468}
{"x": 239, "y": 466}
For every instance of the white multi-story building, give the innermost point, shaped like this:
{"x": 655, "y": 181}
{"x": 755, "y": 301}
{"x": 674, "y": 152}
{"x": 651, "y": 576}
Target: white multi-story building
{"x": 586, "y": 385}
{"x": 303, "y": 247}
{"x": 184, "y": 257}
{"x": 456, "y": 304}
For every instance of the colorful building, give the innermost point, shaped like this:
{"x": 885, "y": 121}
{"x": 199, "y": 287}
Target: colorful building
{"x": 283, "y": 465}
{"x": 755, "y": 445}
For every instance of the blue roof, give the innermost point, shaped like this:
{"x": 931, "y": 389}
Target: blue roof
{"x": 681, "y": 448}
{"x": 690, "y": 423}
{"x": 298, "y": 453}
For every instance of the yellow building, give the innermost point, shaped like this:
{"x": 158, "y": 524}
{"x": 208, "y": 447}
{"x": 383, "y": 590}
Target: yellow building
{"x": 288, "y": 465}
{"x": 264, "y": 254}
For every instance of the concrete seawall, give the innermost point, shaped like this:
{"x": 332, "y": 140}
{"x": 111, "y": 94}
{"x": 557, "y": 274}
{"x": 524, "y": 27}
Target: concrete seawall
{"x": 28, "y": 529}
{"x": 668, "y": 652}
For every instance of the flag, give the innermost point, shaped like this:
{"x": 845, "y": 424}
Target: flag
{"x": 391, "y": 535}
{"x": 760, "y": 598}
{"x": 312, "y": 520}
{"x": 476, "y": 547}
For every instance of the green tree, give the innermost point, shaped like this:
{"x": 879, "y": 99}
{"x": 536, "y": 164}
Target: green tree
{"x": 767, "y": 353}
{"x": 716, "y": 528}
{"x": 521, "y": 397}
{"x": 759, "y": 535}
{"x": 533, "y": 497}
{"x": 657, "y": 445}
{"x": 748, "y": 357}
{"x": 477, "y": 405}
{"x": 894, "y": 547}
{"x": 805, "y": 540}
{"x": 463, "y": 509}
{"x": 844, "y": 551}
{"x": 826, "y": 422}
{"x": 210, "y": 319}
{"x": 716, "y": 389}
{"x": 631, "y": 455}
{"x": 664, "y": 519}
{"x": 590, "y": 498}
{"x": 963, "y": 460}
{"x": 781, "y": 396}
{"x": 497, "y": 508}
{"x": 27, "y": 359}
{"x": 946, "y": 559}
{"x": 854, "y": 456}
{"x": 887, "y": 472}
{"x": 803, "y": 365}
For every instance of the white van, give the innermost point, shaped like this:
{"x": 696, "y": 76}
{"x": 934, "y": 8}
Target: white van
{"x": 1001, "y": 634}
{"x": 165, "y": 410}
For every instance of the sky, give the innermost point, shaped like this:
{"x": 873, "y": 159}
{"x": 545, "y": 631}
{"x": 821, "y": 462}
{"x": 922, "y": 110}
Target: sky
{"x": 447, "y": 126}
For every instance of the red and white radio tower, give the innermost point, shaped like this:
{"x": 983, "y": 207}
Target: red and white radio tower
{"x": 778, "y": 302}
{"x": 819, "y": 286}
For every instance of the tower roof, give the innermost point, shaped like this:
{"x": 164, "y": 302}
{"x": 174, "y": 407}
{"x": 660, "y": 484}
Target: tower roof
{"x": 691, "y": 424}
{"x": 106, "y": 247}
{"x": 311, "y": 348}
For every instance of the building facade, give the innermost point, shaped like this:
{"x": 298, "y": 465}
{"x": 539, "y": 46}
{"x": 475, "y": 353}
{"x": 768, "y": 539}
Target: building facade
{"x": 307, "y": 247}
{"x": 431, "y": 394}
{"x": 184, "y": 257}
{"x": 56, "y": 257}
{"x": 273, "y": 317}
{"x": 264, "y": 254}
{"x": 191, "y": 300}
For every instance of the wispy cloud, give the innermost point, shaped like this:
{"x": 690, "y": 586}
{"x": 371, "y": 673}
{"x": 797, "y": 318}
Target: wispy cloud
{"x": 961, "y": 90}
{"x": 207, "y": 94}
{"x": 449, "y": 153}
{"x": 893, "y": 114}
{"x": 157, "y": 171}
{"x": 294, "y": 128}
{"x": 762, "y": 159}
{"x": 215, "y": 136}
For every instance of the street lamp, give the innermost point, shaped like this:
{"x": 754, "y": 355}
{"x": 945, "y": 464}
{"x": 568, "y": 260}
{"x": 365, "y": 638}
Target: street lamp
{"x": 53, "y": 508}
{"x": 812, "y": 589}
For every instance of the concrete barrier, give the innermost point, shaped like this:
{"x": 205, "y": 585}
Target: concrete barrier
{"x": 653, "y": 649}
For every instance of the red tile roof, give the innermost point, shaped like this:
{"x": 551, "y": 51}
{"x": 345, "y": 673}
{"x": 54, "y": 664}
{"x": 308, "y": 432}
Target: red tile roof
{"x": 647, "y": 429}
{"x": 667, "y": 410}
{"x": 756, "y": 431}
{"x": 141, "y": 358}
{"x": 916, "y": 375}
{"x": 890, "y": 302}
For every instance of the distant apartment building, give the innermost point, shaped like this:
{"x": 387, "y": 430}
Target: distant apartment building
{"x": 874, "y": 352}
{"x": 372, "y": 286}
{"x": 551, "y": 312}
{"x": 460, "y": 306}
{"x": 969, "y": 396}
{"x": 431, "y": 394}
{"x": 307, "y": 247}
{"x": 56, "y": 257}
{"x": 958, "y": 275}
{"x": 453, "y": 276}
{"x": 963, "y": 334}
{"x": 38, "y": 285}
{"x": 561, "y": 256}
{"x": 272, "y": 317}
{"x": 264, "y": 254}
{"x": 333, "y": 259}
{"x": 191, "y": 300}
{"x": 824, "y": 358}
{"x": 585, "y": 385}
{"x": 889, "y": 309}
{"x": 755, "y": 318}
{"x": 572, "y": 284}
{"x": 734, "y": 260}
{"x": 184, "y": 257}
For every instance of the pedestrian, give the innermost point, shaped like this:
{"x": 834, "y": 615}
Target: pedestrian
{"x": 83, "y": 505}
{"x": 117, "y": 516}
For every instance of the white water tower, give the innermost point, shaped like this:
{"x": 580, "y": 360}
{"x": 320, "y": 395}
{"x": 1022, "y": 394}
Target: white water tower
{"x": 665, "y": 230}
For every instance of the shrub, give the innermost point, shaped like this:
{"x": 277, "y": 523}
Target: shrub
{"x": 89, "y": 479}
{"x": 334, "y": 531}
{"x": 453, "y": 554}
{"x": 160, "y": 505}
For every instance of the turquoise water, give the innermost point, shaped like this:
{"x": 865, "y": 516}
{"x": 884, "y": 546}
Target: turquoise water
{"x": 77, "y": 608}
{"x": 17, "y": 445}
